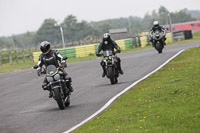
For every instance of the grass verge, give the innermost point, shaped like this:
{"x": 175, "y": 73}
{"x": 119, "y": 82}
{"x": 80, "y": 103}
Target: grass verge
{"x": 167, "y": 101}
{"x": 21, "y": 65}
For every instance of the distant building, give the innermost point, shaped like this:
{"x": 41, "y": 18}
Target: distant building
{"x": 117, "y": 34}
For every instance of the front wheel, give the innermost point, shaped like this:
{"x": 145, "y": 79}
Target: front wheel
{"x": 58, "y": 98}
{"x": 111, "y": 75}
{"x": 159, "y": 47}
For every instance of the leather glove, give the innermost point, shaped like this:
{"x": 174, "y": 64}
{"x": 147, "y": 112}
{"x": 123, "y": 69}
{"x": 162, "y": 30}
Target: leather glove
{"x": 64, "y": 64}
{"x": 35, "y": 67}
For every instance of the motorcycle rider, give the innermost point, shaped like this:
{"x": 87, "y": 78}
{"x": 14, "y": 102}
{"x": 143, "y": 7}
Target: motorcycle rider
{"x": 155, "y": 27}
{"x": 51, "y": 57}
{"x": 108, "y": 44}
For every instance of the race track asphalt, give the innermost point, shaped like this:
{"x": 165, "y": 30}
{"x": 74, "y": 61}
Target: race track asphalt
{"x": 26, "y": 108}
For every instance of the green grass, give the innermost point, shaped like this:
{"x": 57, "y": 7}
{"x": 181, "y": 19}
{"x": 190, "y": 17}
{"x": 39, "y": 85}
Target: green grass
{"x": 21, "y": 65}
{"x": 167, "y": 101}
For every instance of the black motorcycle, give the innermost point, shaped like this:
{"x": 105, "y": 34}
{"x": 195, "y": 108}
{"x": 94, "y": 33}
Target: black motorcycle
{"x": 158, "y": 41}
{"x": 57, "y": 84}
{"x": 111, "y": 66}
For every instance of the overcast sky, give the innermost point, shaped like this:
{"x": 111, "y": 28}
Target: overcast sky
{"x": 20, "y": 16}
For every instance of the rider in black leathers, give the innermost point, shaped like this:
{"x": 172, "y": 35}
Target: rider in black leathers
{"x": 51, "y": 57}
{"x": 155, "y": 27}
{"x": 109, "y": 44}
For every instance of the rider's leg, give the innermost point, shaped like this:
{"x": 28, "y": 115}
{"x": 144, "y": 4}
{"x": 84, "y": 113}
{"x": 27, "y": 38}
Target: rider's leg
{"x": 45, "y": 87}
{"x": 164, "y": 39}
{"x": 69, "y": 83}
{"x": 44, "y": 84}
{"x": 119, "y": 65}
{"x": 103, "y": 67}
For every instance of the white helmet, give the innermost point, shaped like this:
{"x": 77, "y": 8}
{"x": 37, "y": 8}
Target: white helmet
{"x": 106, "y": 38}
{"x": 156, "y": 23}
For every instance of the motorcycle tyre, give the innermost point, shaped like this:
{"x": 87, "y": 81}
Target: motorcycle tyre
{"x": 60, "y": 101}
{"x": 111, "y": 75}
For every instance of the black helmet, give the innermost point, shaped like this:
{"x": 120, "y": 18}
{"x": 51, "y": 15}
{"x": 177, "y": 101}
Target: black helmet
{"x": 155, "y": 23}
{"x": 106, "y": 37}
{"x": 45, "y": 47}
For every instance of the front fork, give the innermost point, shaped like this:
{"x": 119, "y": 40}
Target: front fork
{"x": 60, "y": 87}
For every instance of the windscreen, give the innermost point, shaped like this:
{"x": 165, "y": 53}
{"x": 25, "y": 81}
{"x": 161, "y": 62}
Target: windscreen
{"x": 51, "y": 70}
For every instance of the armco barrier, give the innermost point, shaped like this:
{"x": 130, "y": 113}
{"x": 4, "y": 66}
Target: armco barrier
{"x": 86, "y": 50}
{"x": 169, "y": 38}
{"x": 128, "y": 44}
{"x": 143, "y": 41}
{"x": 121, "y": 44}
{"x": 69, "y": 52}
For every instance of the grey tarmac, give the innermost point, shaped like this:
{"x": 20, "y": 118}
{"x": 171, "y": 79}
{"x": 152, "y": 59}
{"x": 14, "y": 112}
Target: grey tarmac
{"x": 26, "y": 108}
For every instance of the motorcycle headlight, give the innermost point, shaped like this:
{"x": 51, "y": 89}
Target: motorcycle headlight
{"x": 49, "y": 79}
{"x": 57, "y": 77}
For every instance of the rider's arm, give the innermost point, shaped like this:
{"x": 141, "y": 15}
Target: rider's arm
{"x": 99, "y": 49}
{"x": 40, "y": 61}
{"x": 151, "y": 32}
{"x": 59, "y": 56}
{"x": 116, "y": 47}
{"x": 39, "y": 64}
{"x": 164, "y": 32}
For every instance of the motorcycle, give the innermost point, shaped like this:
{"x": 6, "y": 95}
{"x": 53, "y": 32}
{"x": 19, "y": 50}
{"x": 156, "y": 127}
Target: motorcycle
{"x": 57, "y": 84}
{"x": 111, "y": 66}
{"x": 158, "y": 42}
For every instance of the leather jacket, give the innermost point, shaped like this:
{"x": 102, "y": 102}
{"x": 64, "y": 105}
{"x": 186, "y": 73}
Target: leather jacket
{"x": 51, "y": 58}
{"x": 110, "y": 46}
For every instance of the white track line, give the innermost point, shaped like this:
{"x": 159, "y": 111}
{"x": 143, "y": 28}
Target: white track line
{"x": 119, "y": 94}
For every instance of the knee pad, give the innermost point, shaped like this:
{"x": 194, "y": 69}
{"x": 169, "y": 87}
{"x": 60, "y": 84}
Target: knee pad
{"x": 68, "y": 78}
{"x": 118, "y": 59}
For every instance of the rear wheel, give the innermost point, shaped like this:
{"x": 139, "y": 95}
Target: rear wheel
{"x": 111, "y": 75}
{"x": 58, "y": 98}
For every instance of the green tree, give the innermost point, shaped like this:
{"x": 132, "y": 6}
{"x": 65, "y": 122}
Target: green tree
{"x": 74, "y": 30}
{"x": 181, "y": 16}
{"x": 163, "y": 15}
{"x": 49, "y": 31}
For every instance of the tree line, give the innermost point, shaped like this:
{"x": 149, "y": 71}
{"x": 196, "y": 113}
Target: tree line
{"x": 74, "y": 30}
